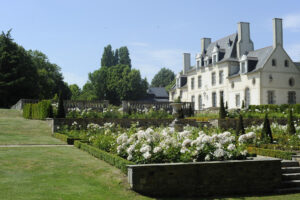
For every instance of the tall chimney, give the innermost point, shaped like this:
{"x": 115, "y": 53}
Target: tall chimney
{"x": 186, "y": 62}
{"x": 277, "y": 32}
{"x": 244, "y": 44}
{"x": 204, "y": 44}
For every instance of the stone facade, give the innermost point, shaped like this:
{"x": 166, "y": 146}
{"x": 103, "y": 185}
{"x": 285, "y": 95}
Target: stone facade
{"x": 213, "y": 178}
{"x": 230, "y": 67}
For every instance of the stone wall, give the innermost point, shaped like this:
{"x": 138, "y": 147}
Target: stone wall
{"x": 231, "y": 123}
{"x": 206, "y": 178}
{"x": 20, "y": 104}
{"x": 126, "y": 123}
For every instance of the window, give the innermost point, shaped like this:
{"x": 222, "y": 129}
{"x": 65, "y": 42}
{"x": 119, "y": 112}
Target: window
{"x": 291, "y": 82}
{"x": 237, "y": 100}
{"x": 192, "y": 83}
{"x": 291, "y": 97}
{"x": 271, "y": 97}
{"x": 243, "y": 67}
{"x": 181, "y": 94}
{"x": 198, "y": 64}
{"x": 173, "y": 93}
{"x": 253, "y": 81}
{"x": 232, "y": 85}
{"x": 193, "y": 98}
{"x": 214, "y": 99}
{"x": 214, "y": 59}
{"x": 273, "y": 62}
{"x": 286, "y": 63}
{"x": 213, "y": 78}
{"x": 247, "y": 97}
{"x": 200, "y": 102}
{"x": 199, "y": 81}
{"x": 221, "y": 77}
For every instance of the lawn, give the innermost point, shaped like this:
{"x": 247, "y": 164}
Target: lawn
{"x": 14, "y": 129}
{"x": 60, "y": 172}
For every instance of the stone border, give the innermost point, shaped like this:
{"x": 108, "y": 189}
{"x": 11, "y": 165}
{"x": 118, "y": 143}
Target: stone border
{"x": 213, "y": 178}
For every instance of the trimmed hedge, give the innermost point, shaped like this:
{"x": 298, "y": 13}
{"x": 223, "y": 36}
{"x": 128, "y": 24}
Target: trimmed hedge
{"x": 40, "y": 110}
{"x": 271, "y": 153}
{"x": 275, "y": 108}
{"x": 112, "y": 159}
{"x": 279, "y": 147}
{"x": 65, "y": 138}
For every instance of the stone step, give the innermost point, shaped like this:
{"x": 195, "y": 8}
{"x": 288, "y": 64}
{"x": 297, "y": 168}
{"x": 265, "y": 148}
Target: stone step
{"x": 289, "y": 190}
{"x": 289, "y": 163}
{"x": 290, "y": 184}
{"x": 291, "y": 176}
{"x": 286, "y": 170}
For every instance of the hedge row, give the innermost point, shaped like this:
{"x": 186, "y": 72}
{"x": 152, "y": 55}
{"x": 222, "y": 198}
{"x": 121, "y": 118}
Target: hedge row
{"x": 40, "y": 110}
{"x": 275, "y": 108}
{"x": 279, "y": 147}
{"x": 65, "y": 138}
{"x": 112, "y": 159}
{"x": 271, "y": 153}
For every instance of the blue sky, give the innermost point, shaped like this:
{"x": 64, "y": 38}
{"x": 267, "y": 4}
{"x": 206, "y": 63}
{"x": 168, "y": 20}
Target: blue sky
{"x": 73, "y": 33}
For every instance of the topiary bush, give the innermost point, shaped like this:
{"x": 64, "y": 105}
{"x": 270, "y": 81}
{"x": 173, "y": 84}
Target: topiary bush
{"x": 290, "y": 124}
{"x": 266, "y": 134}
{"x": 27, "y": 110}
{"x": 61, "y": 109}
{"x": 40, "y": 110}
{"x": 240, "y": 126}
{"x": 222, "y": 111}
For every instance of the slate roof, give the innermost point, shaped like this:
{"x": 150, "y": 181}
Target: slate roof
{"x": 158, "y": 92}
{"x": 223, "y": 43}
{"x": 262, "y": 56}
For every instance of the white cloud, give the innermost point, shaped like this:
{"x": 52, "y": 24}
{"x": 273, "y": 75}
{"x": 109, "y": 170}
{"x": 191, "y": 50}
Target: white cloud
{"x": 72, "y": 78}
{"x": 294, "y": 51}
{"x": 292, "y": 22}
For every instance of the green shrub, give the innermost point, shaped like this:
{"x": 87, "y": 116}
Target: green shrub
{"x": 61, "y": 110}
{"x": 27, "y": 110}
{"x": 222, "y": 112}
{"x": 112, "y": 159}
{"x": 266, "y": 134}
{"x": 65, "y": 138}
{"x": 40, "y": 110}
{"x": 271, "y": 153}
{"x": 290, "y": 124}
{"x": 240, "y": 126}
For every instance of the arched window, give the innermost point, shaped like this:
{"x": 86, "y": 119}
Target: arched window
{"x": 247, "y": 97}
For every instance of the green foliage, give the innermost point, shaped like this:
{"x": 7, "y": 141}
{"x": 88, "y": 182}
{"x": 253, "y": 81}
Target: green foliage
{"x": 243, "y": 104}
{"x": 61, "y": 109}
{"x": 240, "y": 126}
{"x": 124, "y": 58}
{"x": 222, "y": 111}
{"x": 290, "y": 124}
{"x": 171, "y": 84}
{"x": 226, "y": 106}
{"x": 112, "y": 159}
{"x": 41, "y": 110}
{"x": 65, "y": 138}
{"x": 266, "y": 134}
{"x": 271, "y": 153}
{"x": 107, "y": 57}
{"x": 75, "y": 91}
{"x": 274, "y": 108}
{"x": 163, "y": 78}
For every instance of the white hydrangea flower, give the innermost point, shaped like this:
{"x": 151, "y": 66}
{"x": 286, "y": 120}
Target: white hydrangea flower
{"x": 157, "y": 149}
{"x": 207, "y": 157}
{"x": 219, "y": 153}
{"x": 231, "y": 147}
{"x": 147, "y": 155}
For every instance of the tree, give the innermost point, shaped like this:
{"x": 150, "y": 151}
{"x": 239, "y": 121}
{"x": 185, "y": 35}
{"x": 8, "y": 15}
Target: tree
{"x": 226, "y": 106}
{"x": 124, "y": 56}
{"x": 17, "y": 74}
{"x": 240, "y": 126}
{"x": 222, "y": 112}
{"x": 88, "y": 92}
{"x": 61, "y": 109}
{"x": 266, "y": 134}
{"x": 107, "y": 57}
{"x": 76, "y": 91}
{"x": 163, "y": 78}
{"x": 116, "y": 57}
{"x": 290, "y": 124}
{"x": 243, "y": 104}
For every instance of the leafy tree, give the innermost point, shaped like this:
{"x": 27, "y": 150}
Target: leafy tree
{"x": 163, "y": 78}
{"x": 116, "y": 57}
{"x": 75, "y": 91}
{"x": 17, "y": 74}
{"x": 88, "y": 92}
{"x": 124, "y": 56}
{"x": 240, "y": 126}
{"x": 169, "y": 87}
{"x": 222, "y": 112}
{"x": 290, "y": 124}
{"x": 107, "y": 57}
{"x": 266, "y": 134}
{"x": 61, "y": 109}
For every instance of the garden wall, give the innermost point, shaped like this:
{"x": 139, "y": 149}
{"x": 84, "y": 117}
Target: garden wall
{"x": 126, "y": 123}
{"x": 206, "y": 178}
{"x": 231, "y": 123}
{"x": 20, "y": 104}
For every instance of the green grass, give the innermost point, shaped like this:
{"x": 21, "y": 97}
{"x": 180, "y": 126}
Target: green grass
{"x": 14, "y": 129}
{"x": 62, "y": 173}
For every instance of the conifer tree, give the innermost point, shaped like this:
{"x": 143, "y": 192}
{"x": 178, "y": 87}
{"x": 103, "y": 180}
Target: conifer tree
{"x": 266, "y": 131}
{"x": 116, "y": 57}
{"x": 61, "y": 109}
{"x": 107, "y": 57}
{"x": 222, "y": 111}
{"x": 240, "y": 126}
{"x": 290, "y": 124}
{"x": 226, "y": 106}
{"x": 243, "y": 104}
{"x": 124, "y": 56}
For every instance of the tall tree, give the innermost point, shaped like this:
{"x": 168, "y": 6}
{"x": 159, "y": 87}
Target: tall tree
{"x": 76, "y": 91}
{"x": 124, "y": 56}
{"x": 107, "y": 57}
{"x": 163, "y": 78}
{"x": 116, "y": 57}
{"x": 222, "y": 111}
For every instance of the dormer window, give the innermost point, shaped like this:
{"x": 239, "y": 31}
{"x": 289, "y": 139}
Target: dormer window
{"x": 273, "y": 62}
{"x": 214, "y": 60}
{"x": 243, "y": 70}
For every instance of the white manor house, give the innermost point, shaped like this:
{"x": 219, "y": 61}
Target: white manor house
{"x": 230, "y": 67}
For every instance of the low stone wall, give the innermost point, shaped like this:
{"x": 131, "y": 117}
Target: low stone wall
{"x": 126, "y": 123}
{"x": 206, "y": 178}
{"x": 20, "y": 104}
{"x": 231, "y": 123}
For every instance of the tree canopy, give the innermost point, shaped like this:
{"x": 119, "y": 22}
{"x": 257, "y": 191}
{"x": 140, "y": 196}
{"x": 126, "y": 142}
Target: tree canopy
{"x": 27, "y": 74}
{"x": 112, "y": 58}
{"x": 163, "y": 78}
